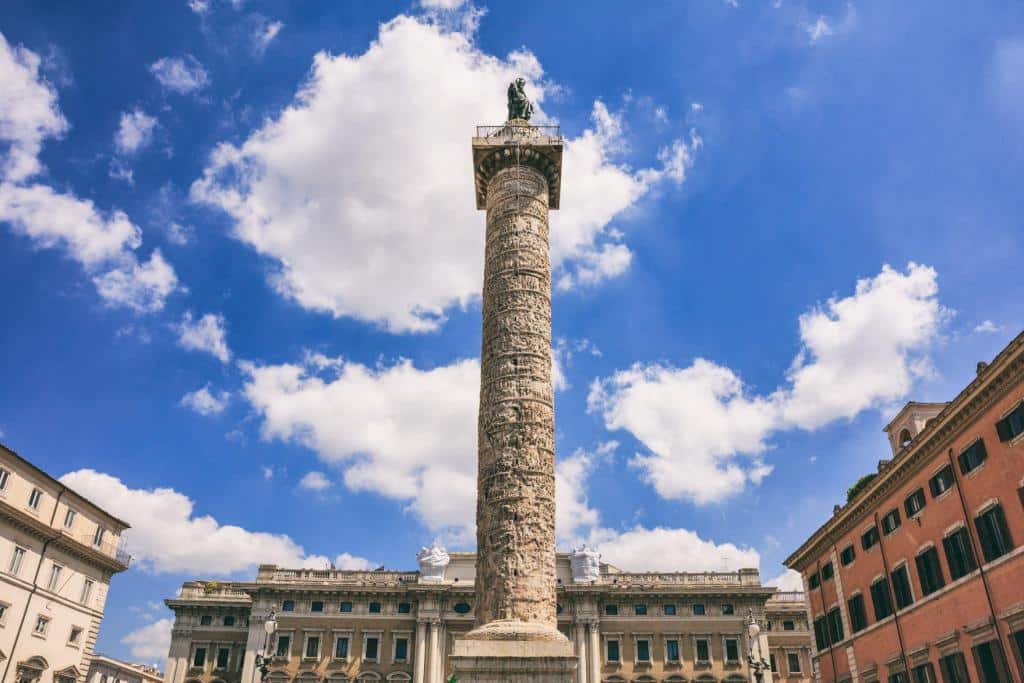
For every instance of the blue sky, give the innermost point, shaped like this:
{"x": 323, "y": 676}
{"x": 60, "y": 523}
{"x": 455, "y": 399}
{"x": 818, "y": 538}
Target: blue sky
{"x": 241, "y": 265}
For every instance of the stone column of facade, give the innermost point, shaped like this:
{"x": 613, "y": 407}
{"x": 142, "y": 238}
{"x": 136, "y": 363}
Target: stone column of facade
{"x": 177, "y": 658}
{"x": 255, "y": 641}
{"x": 434, "y": 658}
{"x": 420, "y": 655}
{"x": 580, "y": 637}
{"x": 595, "y": 652}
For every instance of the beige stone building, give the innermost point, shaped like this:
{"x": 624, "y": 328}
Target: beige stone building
{"x": 789, "y": 637}
{"x": 105, "y": 669}
{"x": 58, "y": 552}
{"x": 336, "y": 626}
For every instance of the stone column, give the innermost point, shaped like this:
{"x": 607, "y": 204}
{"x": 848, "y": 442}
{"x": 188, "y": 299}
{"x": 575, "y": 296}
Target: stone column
{"x": 595, "y": 652}
{"x": 435, "y": 656}
{"x": 420, "y": 654}
{"x": 581, "y": 651}
{"x": 177, "y": 657}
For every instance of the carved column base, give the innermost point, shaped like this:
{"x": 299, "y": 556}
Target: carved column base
{"x": 513, "y": 661}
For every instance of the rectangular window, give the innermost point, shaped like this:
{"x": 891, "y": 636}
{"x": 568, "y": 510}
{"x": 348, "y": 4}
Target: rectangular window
{"x": 69, "y": 518}
{"x": 345, "y": 607}
{"x": 341, "y": 647}
{"x": 3, "y": 612}
{"x": 316, "y": 606}
{"x": 75, "y": 636}
{"x": 990, "y": 663}
{"x": 923, "y": 674}
{"x": 869, "y": 538}
{"x": 732, "y": 650}
{"x": 793, "y": 662}
{"x": 1011, "y": 426}
{"x": 55, "y": 571}
{"x": 374, "y": 608}
{"x": 858, "y": 615}
{"x": 993, "y": 534}
{"x": 643, "y": 650}
{"x": 972, "y": 457}
{"x": 206, "y": 620}
{"x": 929, "y": 573}
{"x": 42, "y": 624}
{"x": 827, "y": 572}
{"x": 640, "y": 610}
{"x": 787, "y": 626}
{"x": 372, "y": 644}
{"x": 229, "y": 621}
{"x": 670, "y": 610}
{"x": 891, "y": 521}
{"x": 899, "y": 677}
{"x": 835, "y": 626}
{"x": 312, "y": 647}
{"x": 954, "y": 669}
{"x": 223, "y": 655}
{"x": 848, "y": 555}
{"x": 4, "y": 476}
{"x": 814, "y": 580}
{"x": 401, "y": 649}
{"x": 958, "y": 554}
{"x": 698, "y": 610}
{"x": 86, "y": 591}
{"x": 880, "y": 599}
{"x": 613, "y": 650}
{"x": 821, "y": 633}
{"x": 284, "y": 646}
{"x": 901, "y": 587}
{"x": 611, "y": 610}
{"x": 914, "y": 503}
{"x": 703, "y": 650}
{"x": 34, "y": 498}
{"x": 774, "y": 666}
{"x": 941, "y": 482}
{"x": 16, "y": 559}
{"x": 97, "y": 538}
{"x": 672, "y": 650}
{"x": 199, "y": 658}
{"x": 728, "y": 609}
{"x": 288, "y": 606}
{"x": 404, "y": 608}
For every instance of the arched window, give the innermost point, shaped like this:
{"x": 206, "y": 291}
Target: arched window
{"x": 905, "y": 438}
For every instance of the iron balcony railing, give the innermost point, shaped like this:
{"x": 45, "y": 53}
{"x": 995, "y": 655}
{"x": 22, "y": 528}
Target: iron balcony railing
{"x": 512, "y": 131}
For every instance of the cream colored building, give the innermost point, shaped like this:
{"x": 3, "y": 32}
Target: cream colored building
{"x": 58, "y": 552}
{"x": 789, "y": 637}
{"x": 105, "y": 669}
{"x": 338, "y": 626}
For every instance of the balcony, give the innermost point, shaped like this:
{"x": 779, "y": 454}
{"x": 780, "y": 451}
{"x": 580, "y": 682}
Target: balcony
{"x": 114, "y": 548}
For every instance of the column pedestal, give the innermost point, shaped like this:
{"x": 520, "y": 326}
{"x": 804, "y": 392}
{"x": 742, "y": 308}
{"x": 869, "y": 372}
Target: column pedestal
{"x": 510, "y": 661}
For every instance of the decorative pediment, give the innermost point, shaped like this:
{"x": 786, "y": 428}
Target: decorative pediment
{"x": 399, "y": 676}
{"x": 368, "y": 676}
{"x": 307, "y": 677}
{"x": 338, "y": 677}
{"x": 615, "y": 679}
{"x": 735, "y": 678}
{"x": 36, "y": 663}
{"x": 675, "y": 678}
{"x": 70, "y": 672}
{"x": 705, "y": 678}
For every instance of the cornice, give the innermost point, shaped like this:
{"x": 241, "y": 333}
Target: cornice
{"x": 995, "y": 381}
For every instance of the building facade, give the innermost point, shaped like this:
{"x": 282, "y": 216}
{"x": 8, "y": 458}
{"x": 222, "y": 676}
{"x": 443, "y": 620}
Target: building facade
{"x": 338, "y": 626}
{"x": 789, "y": 640}
{"x": 58, "y": 552}
{"x": 921, "y": 574}
{"x": 105, "y": 669}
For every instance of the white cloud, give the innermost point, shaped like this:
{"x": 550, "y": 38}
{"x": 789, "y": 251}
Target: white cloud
{"x": 206, "y": 402}
{"x": 573, "y": 513}
{"x": 353, "y": 562}
{"x": 362, "y": 239}
{"x": 181, "y": 75}
{"x": 104, "y": 244}
{"x": 442, "y": 4}
{"x": 207, "y": 334}
{"x": 788, "y": 580}
{"x": 135, "y": 131}
{"x": 315, "y": 481}
{"x": 152, "y": 642}
{"x": 264, "y": 33}
{"x": 705, "y": 433}
{"x": 385, "y": 428}
{"x": 268, "y": 472}
{"x": 167, "y": 536}
{"x": 142, "y": 287}
{"x": 987, "y": 327}
{"x": 818, "y": 30}
{"x": 199, "y": 6}
{"x": 178, "y": 234}
{"x": 670, "y": 550}
{"x": 28, "y": 112}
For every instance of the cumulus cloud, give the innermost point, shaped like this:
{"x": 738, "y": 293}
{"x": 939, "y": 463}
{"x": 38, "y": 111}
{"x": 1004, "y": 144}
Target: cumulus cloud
{"x": 181, "y": 75}
{"x": 384, "y": 427}
{"x": 264, "y": 33}
{"x": 135, "y": 131}
{"x": 152, "y": 642}
{"x": 207, "y": 334}
{"x": 670, "y": 550}
{"x": 573, "y": 513}
{"x": 704, "y": 431}
{"x": 788, "y": 580}
{"x": 168, "y": 537}
{"x": 987, "y": 327}
{"x": 104, "y": 243}
{"x": 363, "y": 239}
{"x": 315, "y": 481}
{"x": 206, "y": 402}
{"x": 353, "y": 562}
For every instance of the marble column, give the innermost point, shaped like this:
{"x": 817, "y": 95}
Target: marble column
{"x": 432, "y": 662}
{"x": 420, "y": 654}
{"x": 595, "y": 653}
{"x": 581, "y": 652}
{"x": 177, "y": 658}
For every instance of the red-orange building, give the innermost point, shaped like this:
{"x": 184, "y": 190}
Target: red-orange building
{"x": 919, "y": 578}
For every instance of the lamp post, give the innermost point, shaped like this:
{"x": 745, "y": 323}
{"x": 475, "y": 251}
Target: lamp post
{"x": 757, "y": 662}
{"x": 263, "y": 659}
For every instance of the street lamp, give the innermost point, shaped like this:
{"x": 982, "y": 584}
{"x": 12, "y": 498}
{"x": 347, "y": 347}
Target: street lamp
{"x": 757, "y": 662}
{"x": 263, "y": 659}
